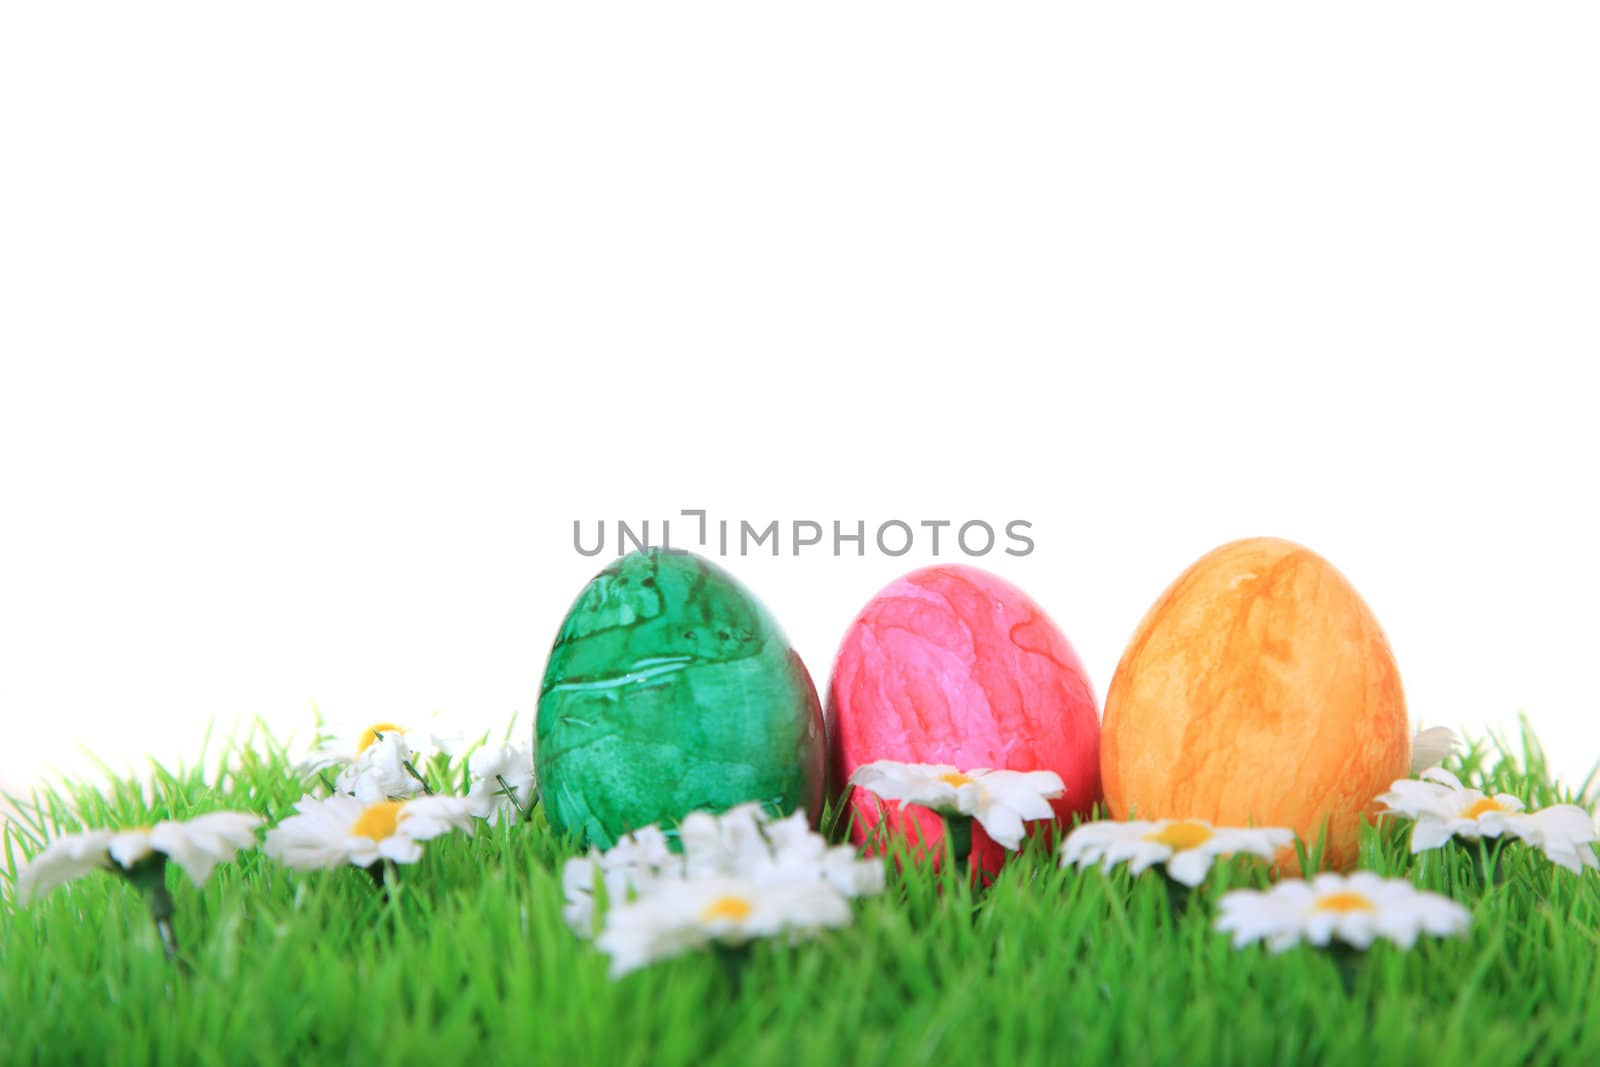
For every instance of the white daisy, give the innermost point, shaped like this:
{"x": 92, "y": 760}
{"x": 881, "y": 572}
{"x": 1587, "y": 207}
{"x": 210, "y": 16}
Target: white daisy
{"x": 744, "y": 844}
{"x": 1444, "y": 808}
{"x": 1188, "y": 847}
{"x": 689, "y": 914}
{"x": 331, "y": 831}
{"x": 372, "y": 764}
{"x": 502, "y": 782}
{"x": 1431, "y": 746}
{"x": 345, "y": 749}
{"x": 999, "y": 800}
{"x": 196, "y": 846}
{"x": 382, "y": 772}
{"x": 1357, "y": 910}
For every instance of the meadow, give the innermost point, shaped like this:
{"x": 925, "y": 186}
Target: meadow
{"x": 467, "y": 958}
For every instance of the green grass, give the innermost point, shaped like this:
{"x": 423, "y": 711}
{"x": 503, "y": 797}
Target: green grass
{"x": 470, "y": 960}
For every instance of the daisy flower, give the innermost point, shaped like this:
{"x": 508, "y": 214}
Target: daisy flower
{"x": 680, "y": 916}
{"x": 743, "y": 843}
{"x": 1187, "y": 847}
{"x": 1444, "y": 808}
{"x": 502, "y": 782}
{"x": 779, "y": 861}
{"x": 332, "y": 831}
{"x": 1357, "y": 910}
{"x": 1001, "y": 801}
{"x": 141, "y": 856}
{"x": 385, "y": 770}
{"x": 343, "y": 750}
{"x": 380, "y": 761}
{"x": 195, "y": 846}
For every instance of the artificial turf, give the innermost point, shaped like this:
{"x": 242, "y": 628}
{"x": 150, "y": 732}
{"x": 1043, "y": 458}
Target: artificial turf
{"x": 468, "y": 959}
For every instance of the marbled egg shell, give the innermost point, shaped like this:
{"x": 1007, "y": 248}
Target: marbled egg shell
{"x": 954, "y": 665}
{"x": 1258, "y": 690}
{"x": 671, "y": 689}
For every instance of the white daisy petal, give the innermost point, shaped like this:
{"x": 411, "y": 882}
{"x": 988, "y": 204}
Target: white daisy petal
{"x": 425, "y": 818}
{"x": 1189, "y": 867}
{"x": 580, "y": 876}
{"x": 1565, "y": 833}
{"x": 1429, "y": 833}
{"x": 843, "y": 869}
{"x": 198, "y": 845}
{"x": 1140, "y": 855}
{"x": 1003, "y": 825}
{"x": 398, "y": 848}
{"x": 493, "y": 772}
{"x": 1087, "y": 843}
{"x": 933, "y": 786}
{"x": 1431, "y": 747}
{"x": 1440, "y": 776}
{"x": 129, "y": 847}
{"x": 63, "y": 860}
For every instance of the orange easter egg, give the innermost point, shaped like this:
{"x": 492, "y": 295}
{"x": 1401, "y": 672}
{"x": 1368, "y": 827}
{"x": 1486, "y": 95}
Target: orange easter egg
{"x": 1259, "y": 690}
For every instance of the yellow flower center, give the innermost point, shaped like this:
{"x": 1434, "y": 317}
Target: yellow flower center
{"x": 1180, "y": 836}
{"x": 1483, "y": 807}
{"x": 956, "y": 779}
{"x": 730, "y": 907}
{"x": 379, "y": 821}
{"x": 370, "y": 735}
{"x": 1344, "y": 903}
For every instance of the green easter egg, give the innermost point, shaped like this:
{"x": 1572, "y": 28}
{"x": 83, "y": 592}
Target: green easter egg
{"x": 671, "y": 689}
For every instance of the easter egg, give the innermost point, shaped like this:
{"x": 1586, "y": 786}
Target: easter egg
{"x": 670, "y": 689}
{"x": 954, "y": 665}
{"x": 1259, "y": 690}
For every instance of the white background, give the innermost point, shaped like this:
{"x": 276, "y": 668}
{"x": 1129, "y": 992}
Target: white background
{"x": 321, "y": 323}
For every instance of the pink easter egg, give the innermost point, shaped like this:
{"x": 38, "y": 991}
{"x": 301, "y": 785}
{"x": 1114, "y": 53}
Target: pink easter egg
{"x": 954, "y": 665}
